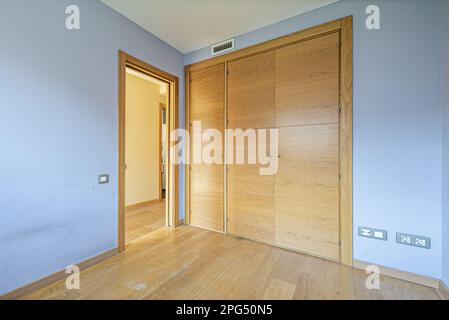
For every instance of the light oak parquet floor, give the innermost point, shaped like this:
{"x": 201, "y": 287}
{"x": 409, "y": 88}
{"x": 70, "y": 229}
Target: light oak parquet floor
{"x": 192, "y": 263}
{"x": 140, "y": 221}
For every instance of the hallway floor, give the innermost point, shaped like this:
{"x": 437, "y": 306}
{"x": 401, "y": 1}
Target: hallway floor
{"x": 141, "y": 221}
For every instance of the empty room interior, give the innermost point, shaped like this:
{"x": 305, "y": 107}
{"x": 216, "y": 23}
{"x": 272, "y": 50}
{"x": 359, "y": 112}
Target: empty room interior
{"x": 224, "y": 150}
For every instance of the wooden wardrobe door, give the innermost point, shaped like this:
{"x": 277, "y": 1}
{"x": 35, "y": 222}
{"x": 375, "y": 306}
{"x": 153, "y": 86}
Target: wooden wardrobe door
{"x": 251, "y": 84}
{"x": 307, "y": 82}
{"x": 207, "y": 180}
{"x": 307, "y": 181}
{"x": 250, "y": 197}
{"x": 307, "y": 212}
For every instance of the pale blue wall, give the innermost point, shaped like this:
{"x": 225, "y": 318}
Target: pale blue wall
{"x": 445, "y": 117}
{"x": 58, "y": 130}
{"x": 397, "y": 125}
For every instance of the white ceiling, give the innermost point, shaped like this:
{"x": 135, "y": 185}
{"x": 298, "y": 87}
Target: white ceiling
{"x": 189, "y": 25}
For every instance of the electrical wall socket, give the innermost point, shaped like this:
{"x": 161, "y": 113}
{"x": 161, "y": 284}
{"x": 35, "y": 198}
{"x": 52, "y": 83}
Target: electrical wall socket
{"x": 103, "y": 178}
{"x": 413, "y": 240}
{"x": 373, "y": 233}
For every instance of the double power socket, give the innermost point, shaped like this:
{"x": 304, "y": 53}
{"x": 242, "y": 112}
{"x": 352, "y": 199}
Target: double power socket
{"x": 402, "y": 238}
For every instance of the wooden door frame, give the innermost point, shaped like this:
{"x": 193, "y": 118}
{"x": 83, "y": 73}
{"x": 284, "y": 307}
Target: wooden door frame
{"x": 162, "y": 107}
{"x": 344, "y": 27}
{"x": 126, "y": 60}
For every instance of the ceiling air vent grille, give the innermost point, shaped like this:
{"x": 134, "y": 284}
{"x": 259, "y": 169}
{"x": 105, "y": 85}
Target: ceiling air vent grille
{"x": 222, "y": 46}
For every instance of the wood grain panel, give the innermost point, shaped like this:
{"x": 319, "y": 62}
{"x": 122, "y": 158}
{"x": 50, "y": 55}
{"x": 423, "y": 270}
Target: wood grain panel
{"x": 250, "y": 207}
{"x": 307, "y": 82}
{"x": 206, "y": 203}
{"x": 207, "y": 97}
{"x": 346, "y": 142}
{"x": 207, "y": 181}
{"x": 251, "y": 84}
{"x": 250, "y": 203}
{"x": 250, "y": 196}
{"x": 187, "y": 148}
{"x": 307, "y": 213}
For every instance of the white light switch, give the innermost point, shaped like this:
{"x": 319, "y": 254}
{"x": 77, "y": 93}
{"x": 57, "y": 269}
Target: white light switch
{"x": 103, "y": 178}
{"x": 373, "y": 233}
{"x": 378, "y": 234}
{"x": 366, "y": 232}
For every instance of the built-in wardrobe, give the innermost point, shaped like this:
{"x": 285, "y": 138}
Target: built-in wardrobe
{"x": 301, "y": 85}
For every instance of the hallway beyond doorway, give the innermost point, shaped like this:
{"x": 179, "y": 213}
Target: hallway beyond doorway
{"x": 143, "y": 220}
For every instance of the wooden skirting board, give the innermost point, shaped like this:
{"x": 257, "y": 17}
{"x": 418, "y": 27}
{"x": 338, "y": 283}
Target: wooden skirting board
{"x": 143, "y": 204}
{"x": 403, "y": 275}
{"x": 39, "y": 284}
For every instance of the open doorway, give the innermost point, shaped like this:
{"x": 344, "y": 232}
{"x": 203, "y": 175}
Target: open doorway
{"x": 145, "y": 145}
{"x": 148, "y": 177}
